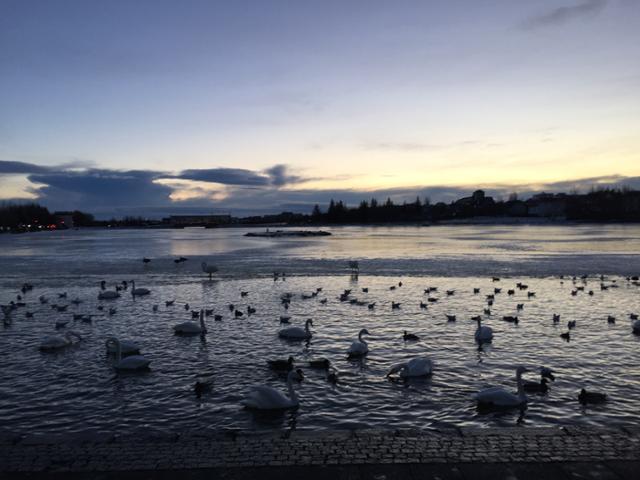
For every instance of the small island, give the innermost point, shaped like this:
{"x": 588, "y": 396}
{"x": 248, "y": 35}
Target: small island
{"x": 288, "y": 233}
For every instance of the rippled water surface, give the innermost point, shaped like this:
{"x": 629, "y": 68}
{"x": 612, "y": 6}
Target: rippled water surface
{"x": 77, "y": 389}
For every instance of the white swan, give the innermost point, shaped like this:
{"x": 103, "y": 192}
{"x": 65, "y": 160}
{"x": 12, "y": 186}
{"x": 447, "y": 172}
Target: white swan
{"x": 210, "y": 269}
{"x": 132, "y": 362}
{"x": 127, "y": 347}
{"x": 108, "y": 295}
{"x": 483, "y": 334}
{"x": 499, "y": 397}
{"x": 416, "y": 367}
{"x": 56, "y": 342}
{"x": 360, "y": 346}
{"x": 267, "y": 398}
{"x": 138, "y": 292}
{"x": 191, "y": 328}
{"x": 297, "y": 333}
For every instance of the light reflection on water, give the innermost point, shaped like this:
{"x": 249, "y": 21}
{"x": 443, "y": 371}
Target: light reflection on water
{"x": 77, "y": 389}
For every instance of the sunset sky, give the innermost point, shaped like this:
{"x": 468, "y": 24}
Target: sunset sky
{"x": 254, "y": 106}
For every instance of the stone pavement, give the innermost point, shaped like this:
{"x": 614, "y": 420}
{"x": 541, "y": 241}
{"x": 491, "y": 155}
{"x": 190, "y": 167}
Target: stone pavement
{"x": 520, "y": 452}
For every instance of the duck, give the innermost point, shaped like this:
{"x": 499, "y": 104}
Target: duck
{"x": 501, "y": 398}
{"x": 297, "y": 333}
{"x": 140, "y": 291}
{"x": 360, "y": 347}
{"x": 410, "y": 336}
{"x": 130, "y": 363}
{"x": 611, "y": 319}
{"x": 483, "y": 334}
{"x": 209, "y": 269}
{"x": 571, "y": 324}
{"x": 202, "y": 385}
{"x": 321, "y": 363}
{"x": 281, "y": 364}
{"x": 566, "y": 336}
{"x": 546, "y": 374}
{"x": 416, "y": 367}
{"x": 127, "y": 347}
{"x": 450, "y": 318}
{"x": 57, "y": 342}
{"x": 191, "y": 328}
{"x": 268, "y": 398}
{"x": 585, "y": 397}
{"x": 636, "y": 327}
{"x": 556, "y": 318}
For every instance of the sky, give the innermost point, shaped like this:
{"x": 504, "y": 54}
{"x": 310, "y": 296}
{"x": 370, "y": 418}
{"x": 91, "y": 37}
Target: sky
{"x": 156, "y": 107}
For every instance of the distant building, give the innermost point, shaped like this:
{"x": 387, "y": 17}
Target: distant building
{"x": 198, "y": 220}
{"x": 516, "y": 208}
{"x": 64, "y": 219}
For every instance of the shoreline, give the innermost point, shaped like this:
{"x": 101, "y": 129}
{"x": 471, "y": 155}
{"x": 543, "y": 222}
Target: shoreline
{"x": 109, "y": 452}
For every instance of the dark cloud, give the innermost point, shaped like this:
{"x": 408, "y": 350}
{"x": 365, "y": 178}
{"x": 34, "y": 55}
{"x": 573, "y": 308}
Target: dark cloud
{"x": 565, "y": 14}
{"x": 11, "y": 167}
{"x": 225, "y": 176}
{"x": 276, "y": 176}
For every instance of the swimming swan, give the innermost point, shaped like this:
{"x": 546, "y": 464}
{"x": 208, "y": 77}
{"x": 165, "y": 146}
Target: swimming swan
{"x": 191, "y": 328}
{"x": 267, "y": 398}
{"x": 132, "y": 362}
{"x": 416, "y": 367}
{"x": 138, "y": 292}
{"x": 297, "y": 333}
{"x": 56, "y": 342}
{"x": 127, "y": 347}
{"x": 360, "y": 347}
{"x": 499, "y": 397}
{"x": 483, "y": 334}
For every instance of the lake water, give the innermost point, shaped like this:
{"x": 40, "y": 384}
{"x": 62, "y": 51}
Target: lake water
{"x": 78, "y": 390}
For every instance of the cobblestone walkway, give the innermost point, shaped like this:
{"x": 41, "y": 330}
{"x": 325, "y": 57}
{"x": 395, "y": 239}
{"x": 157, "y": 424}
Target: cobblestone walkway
{"x": 106, "y": 452}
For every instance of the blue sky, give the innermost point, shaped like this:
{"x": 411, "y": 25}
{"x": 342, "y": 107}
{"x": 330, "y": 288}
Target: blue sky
{"x": 152, "y": 106}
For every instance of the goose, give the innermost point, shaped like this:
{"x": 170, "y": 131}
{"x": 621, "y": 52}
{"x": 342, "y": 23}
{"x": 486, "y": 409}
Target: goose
{"x": 132, "y": 362}
{"x": 499, "y": 397}
{"x": 140, "y": 291}
{"x": 585, "y": 397}
{"x": 209, "y": 269}
{"x": 281, "y": 364}
{"x": 127, "y": 347}
{"x": 410, "y": 336}
{"x": 360, "y": 347}
{"x": 483, "y": 334}
{"x": 268, "y": 398}
{"x": 297, "y": 333}
{"x": 416, "y": 367}
{"x": 108, "y": 295}
{"x": 56, "y": 342}
{"x": 191, "y": 328}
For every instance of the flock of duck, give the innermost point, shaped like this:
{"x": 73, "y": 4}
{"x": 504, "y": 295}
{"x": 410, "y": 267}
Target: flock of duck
{"x": 127, "y": 355}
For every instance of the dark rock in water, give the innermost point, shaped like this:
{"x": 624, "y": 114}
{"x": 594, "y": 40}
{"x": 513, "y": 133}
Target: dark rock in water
{"x": 288, "y": 233}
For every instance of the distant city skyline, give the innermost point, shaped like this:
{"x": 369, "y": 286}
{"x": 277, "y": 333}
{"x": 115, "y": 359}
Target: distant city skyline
{"x": 262, "y": 106}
